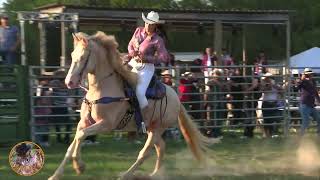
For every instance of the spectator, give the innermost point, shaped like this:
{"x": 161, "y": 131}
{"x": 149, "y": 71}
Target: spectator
{"x": 218, "y": 88}
{"x": 190, "y": 81}
{"x": 9, "y": 41}
{"x": 171, "y": 61}
{"x": 61, "y": 103}
{"x": 42, "y": 122}
{"x": 260, "y": 63}
{"x": 208, "y": 59}
{"x": 236, "y": 87}
{"x": 197, "y": 64}
{"x": 295, "y": 120}
{"x": 308, "y": 90}
{"x": 226, "y": 58}
{"x": 252, "y": 94}
{"x": 195, "y": 96}
{"x": 43, "y": 85}
{"x": 185, "y": 88}
{"x": 270, "y": 91}
{"x": 166, "y": 77}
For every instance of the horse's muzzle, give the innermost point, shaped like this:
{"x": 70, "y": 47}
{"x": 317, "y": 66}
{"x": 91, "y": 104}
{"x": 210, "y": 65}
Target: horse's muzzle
{"x": 71, "y": 85}
{"x": 72, "y": 82}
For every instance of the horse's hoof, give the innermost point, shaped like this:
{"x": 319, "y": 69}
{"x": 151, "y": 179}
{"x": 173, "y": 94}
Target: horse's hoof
{"x": 79, "y": 166}
{"x": 53, "y": 178}
{"x": 125, "y": 176}
{"x": 80, "y": 169}
{"x": 153, "y": 174}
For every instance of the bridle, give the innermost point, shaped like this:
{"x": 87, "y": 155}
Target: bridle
{"x": 83, "y": 69}
{"x": 85, "y": 66}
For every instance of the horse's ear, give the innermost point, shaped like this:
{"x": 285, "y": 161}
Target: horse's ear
{"x": 84, "y": 42}
{"x": 75, "y": 37}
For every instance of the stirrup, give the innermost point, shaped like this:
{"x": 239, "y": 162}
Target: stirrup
{"x": 143, "y": 127}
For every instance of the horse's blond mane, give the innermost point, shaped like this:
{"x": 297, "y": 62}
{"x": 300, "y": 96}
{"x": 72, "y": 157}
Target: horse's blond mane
{"x": 109, "y": 43}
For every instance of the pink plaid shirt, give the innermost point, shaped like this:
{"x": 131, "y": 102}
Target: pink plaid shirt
{"x": 152, "y": 49}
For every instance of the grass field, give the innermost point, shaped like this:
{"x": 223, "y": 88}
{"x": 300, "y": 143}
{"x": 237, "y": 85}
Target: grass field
{"x": 233, "y": 159}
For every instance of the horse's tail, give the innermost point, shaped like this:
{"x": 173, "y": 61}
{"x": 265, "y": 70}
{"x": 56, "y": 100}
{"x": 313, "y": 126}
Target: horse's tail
{"x": 197, "y": 142}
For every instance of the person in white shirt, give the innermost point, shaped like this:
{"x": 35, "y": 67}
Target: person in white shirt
{"x": 208, "y": 60}
{"x": 269, "y": 98}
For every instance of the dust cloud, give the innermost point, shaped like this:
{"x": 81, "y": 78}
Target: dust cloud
{"x": 298, "y": 157}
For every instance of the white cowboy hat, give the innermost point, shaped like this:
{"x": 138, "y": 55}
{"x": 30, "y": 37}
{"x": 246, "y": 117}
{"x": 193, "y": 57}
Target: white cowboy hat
{"x": 266, "y": 75}
{"x": 186, "y": 74}
{"x": 152, "y": 18}
{"x": 216, "y": 72}
{"x": 295, "y": 71}
{"x": 166, "y": 73}
{"x": 307, "y": 71}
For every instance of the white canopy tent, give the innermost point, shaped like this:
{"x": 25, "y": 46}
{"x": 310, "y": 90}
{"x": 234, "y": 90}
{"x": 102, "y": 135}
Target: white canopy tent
{"x": 309, "y": 58}
{"x": 187, "y": 56}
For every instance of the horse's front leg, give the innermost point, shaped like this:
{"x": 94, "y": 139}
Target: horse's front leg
{"x": 81, "y": 134}
{"x": 59, "y": 172}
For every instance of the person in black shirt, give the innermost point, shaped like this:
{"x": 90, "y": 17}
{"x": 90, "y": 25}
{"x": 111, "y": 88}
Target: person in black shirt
{"x": 253, "y": 95}
{"x": 236, "y": 87}
{"x": 308, "y": 90}
{"x": 61, "y": 101}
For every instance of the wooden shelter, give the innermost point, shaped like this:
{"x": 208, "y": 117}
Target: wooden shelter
{"x": 176, "y": 19}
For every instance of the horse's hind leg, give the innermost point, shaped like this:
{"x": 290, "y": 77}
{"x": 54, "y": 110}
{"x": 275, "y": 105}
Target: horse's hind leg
{"x": 143, "y": 155}
{"x": 160, "y": 147}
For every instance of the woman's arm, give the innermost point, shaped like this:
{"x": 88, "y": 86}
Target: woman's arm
{"x": 161, "y": 54}
{"x": 132, "y": 51}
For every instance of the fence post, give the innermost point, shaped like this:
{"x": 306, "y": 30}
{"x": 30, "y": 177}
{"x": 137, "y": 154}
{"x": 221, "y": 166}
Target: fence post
{"x": 177, "y": 79}
{"x": 23, "y": 102}
{"x": 287, "y": 103}
{"x": 288, "y": 74}
{"x": 32, "y": 120}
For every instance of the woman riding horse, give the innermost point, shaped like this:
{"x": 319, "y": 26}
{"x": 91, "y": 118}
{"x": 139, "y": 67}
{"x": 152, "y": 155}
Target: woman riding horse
{"x": 146, "y": 48}
{"x": 105, "y": 105}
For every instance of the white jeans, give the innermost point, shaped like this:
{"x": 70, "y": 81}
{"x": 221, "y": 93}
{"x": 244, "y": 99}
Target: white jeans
{"x": 207, "y": 74}
{"x": 145, "y": 72}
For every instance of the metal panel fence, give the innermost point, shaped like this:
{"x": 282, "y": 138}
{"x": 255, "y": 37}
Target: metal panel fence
{"x": 14, "y": 114}
{"x": 224, "y": 100}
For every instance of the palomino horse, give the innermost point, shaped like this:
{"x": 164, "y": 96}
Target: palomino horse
{"x": 97, "y": 56}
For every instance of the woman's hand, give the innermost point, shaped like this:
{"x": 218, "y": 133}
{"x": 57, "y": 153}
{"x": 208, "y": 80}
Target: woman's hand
{"x": 141, "y": 59}
{"x": 136, "y": 53}
{"x": 138, "y": 59}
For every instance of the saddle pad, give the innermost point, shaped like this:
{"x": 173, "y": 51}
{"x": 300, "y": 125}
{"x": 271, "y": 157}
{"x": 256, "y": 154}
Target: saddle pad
{"x": 156, "y": 90}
